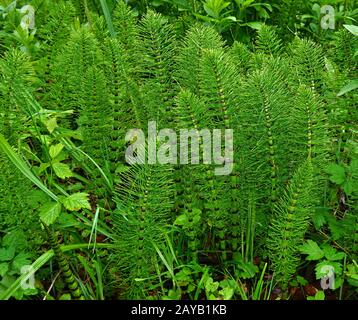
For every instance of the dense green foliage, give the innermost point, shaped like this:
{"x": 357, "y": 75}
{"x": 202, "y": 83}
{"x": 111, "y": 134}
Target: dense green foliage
{"x": 71, "y": 87}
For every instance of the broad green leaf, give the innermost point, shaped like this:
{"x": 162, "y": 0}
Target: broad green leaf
{"x": 349, "y": 187}
{"x": 266, "y": 5}
{"x": 254, "y": 25}
{"x": 14, "y": 238}
{"x": 7, "y": 254}
{"x": 227, "y": 293}
{"x": 173, "y": 295}
{"x": 22, "y": 259}
{"x": 62, "y": 170}
{"x": 352, "y": 28}
{"x": 302, "y": 281}
{"x": 214, "y": 7}
{"x": 181, "y": 220}
{"x": 210, "y": 285}
{"x": 183, "y": 277}
{"x": 246, "y": 270}
{"x": 50, "y": 212}
{"x": 331, "y": 253}
{"x": 318, "y": 296}
{"x": 55, "y": 150}
{"x": 42, "y": 168}
{"x": 352, "y": 85}
{"x": 230, "y": 19}
{"x": 76, "y": 202}
{"x": 312, "y": 249}
{"x": 319, "y": 217}
{"x": 51, "y": 124}
{"x": 212, "y": 297}
{"x": 337, "y": 172}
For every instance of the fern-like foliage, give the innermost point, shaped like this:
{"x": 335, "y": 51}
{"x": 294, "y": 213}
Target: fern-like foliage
{"x": 19, "y": 205}
{"x": 308, "y": 62}
{"x": 156, "y": 68}
{"x": 268, "y": 41}
{"x": 310, "y": 127}
{"x": 122, "y": 82}
{"x": 241, "y": 56}
{"x": 198, "y": 39}
{"x": 17, "y": 73}
{"x": 191, "y": 113}
{"x": 126, "y": 28}
{"x": 96, "y": 121}
{"x": 84, "y": 7}
{"x": 82, "y": 52}
{"x": 346, "y": 46}
{"x": 144, "y": 202}
{"x": 262, "y": 137}
{"x": 213, "y": 76}
{"x": 55, "y": 34}
{"x": 281, "y": 103}
{"x": 289, "y": 225}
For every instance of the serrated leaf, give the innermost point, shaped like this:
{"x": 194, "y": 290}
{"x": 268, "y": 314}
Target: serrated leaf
{"x": 210, "y": 285}
{"x": 42, "y": 168}
{"x": 349, "y": 187}
{"x": 22, "y": 259}
{"x": 331, "y": 253}
{"x": 62, "y": 170}
{"x": 7, "y": 254}
{"x": 227, "y": 293}
{"x": 50, "y": 212}
{"x": 76, "y": 202}
{"x": 246, "y": 270}
{"x": 319, "y": 218}
{"x": 302, "y": 281}
{"x": 55, "y": 150}
{"x": 337, "y": 172}
{"x": 312, "y": 249}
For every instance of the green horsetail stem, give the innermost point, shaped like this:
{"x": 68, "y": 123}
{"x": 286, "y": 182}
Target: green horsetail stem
{"x": 69, "y": 277}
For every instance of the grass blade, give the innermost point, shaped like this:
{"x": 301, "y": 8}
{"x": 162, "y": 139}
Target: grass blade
{"x": 23, "y": 167}
{"x": 107, "y": 16}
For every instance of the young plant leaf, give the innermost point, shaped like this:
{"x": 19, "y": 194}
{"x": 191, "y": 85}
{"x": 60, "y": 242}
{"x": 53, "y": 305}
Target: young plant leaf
{"x": 50, "y": 212}
{"x": 55, "y": 150}
{"x": 62, "y": 170}
{"x": 312, "y": 249}
{"x": 76, "y": 202}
